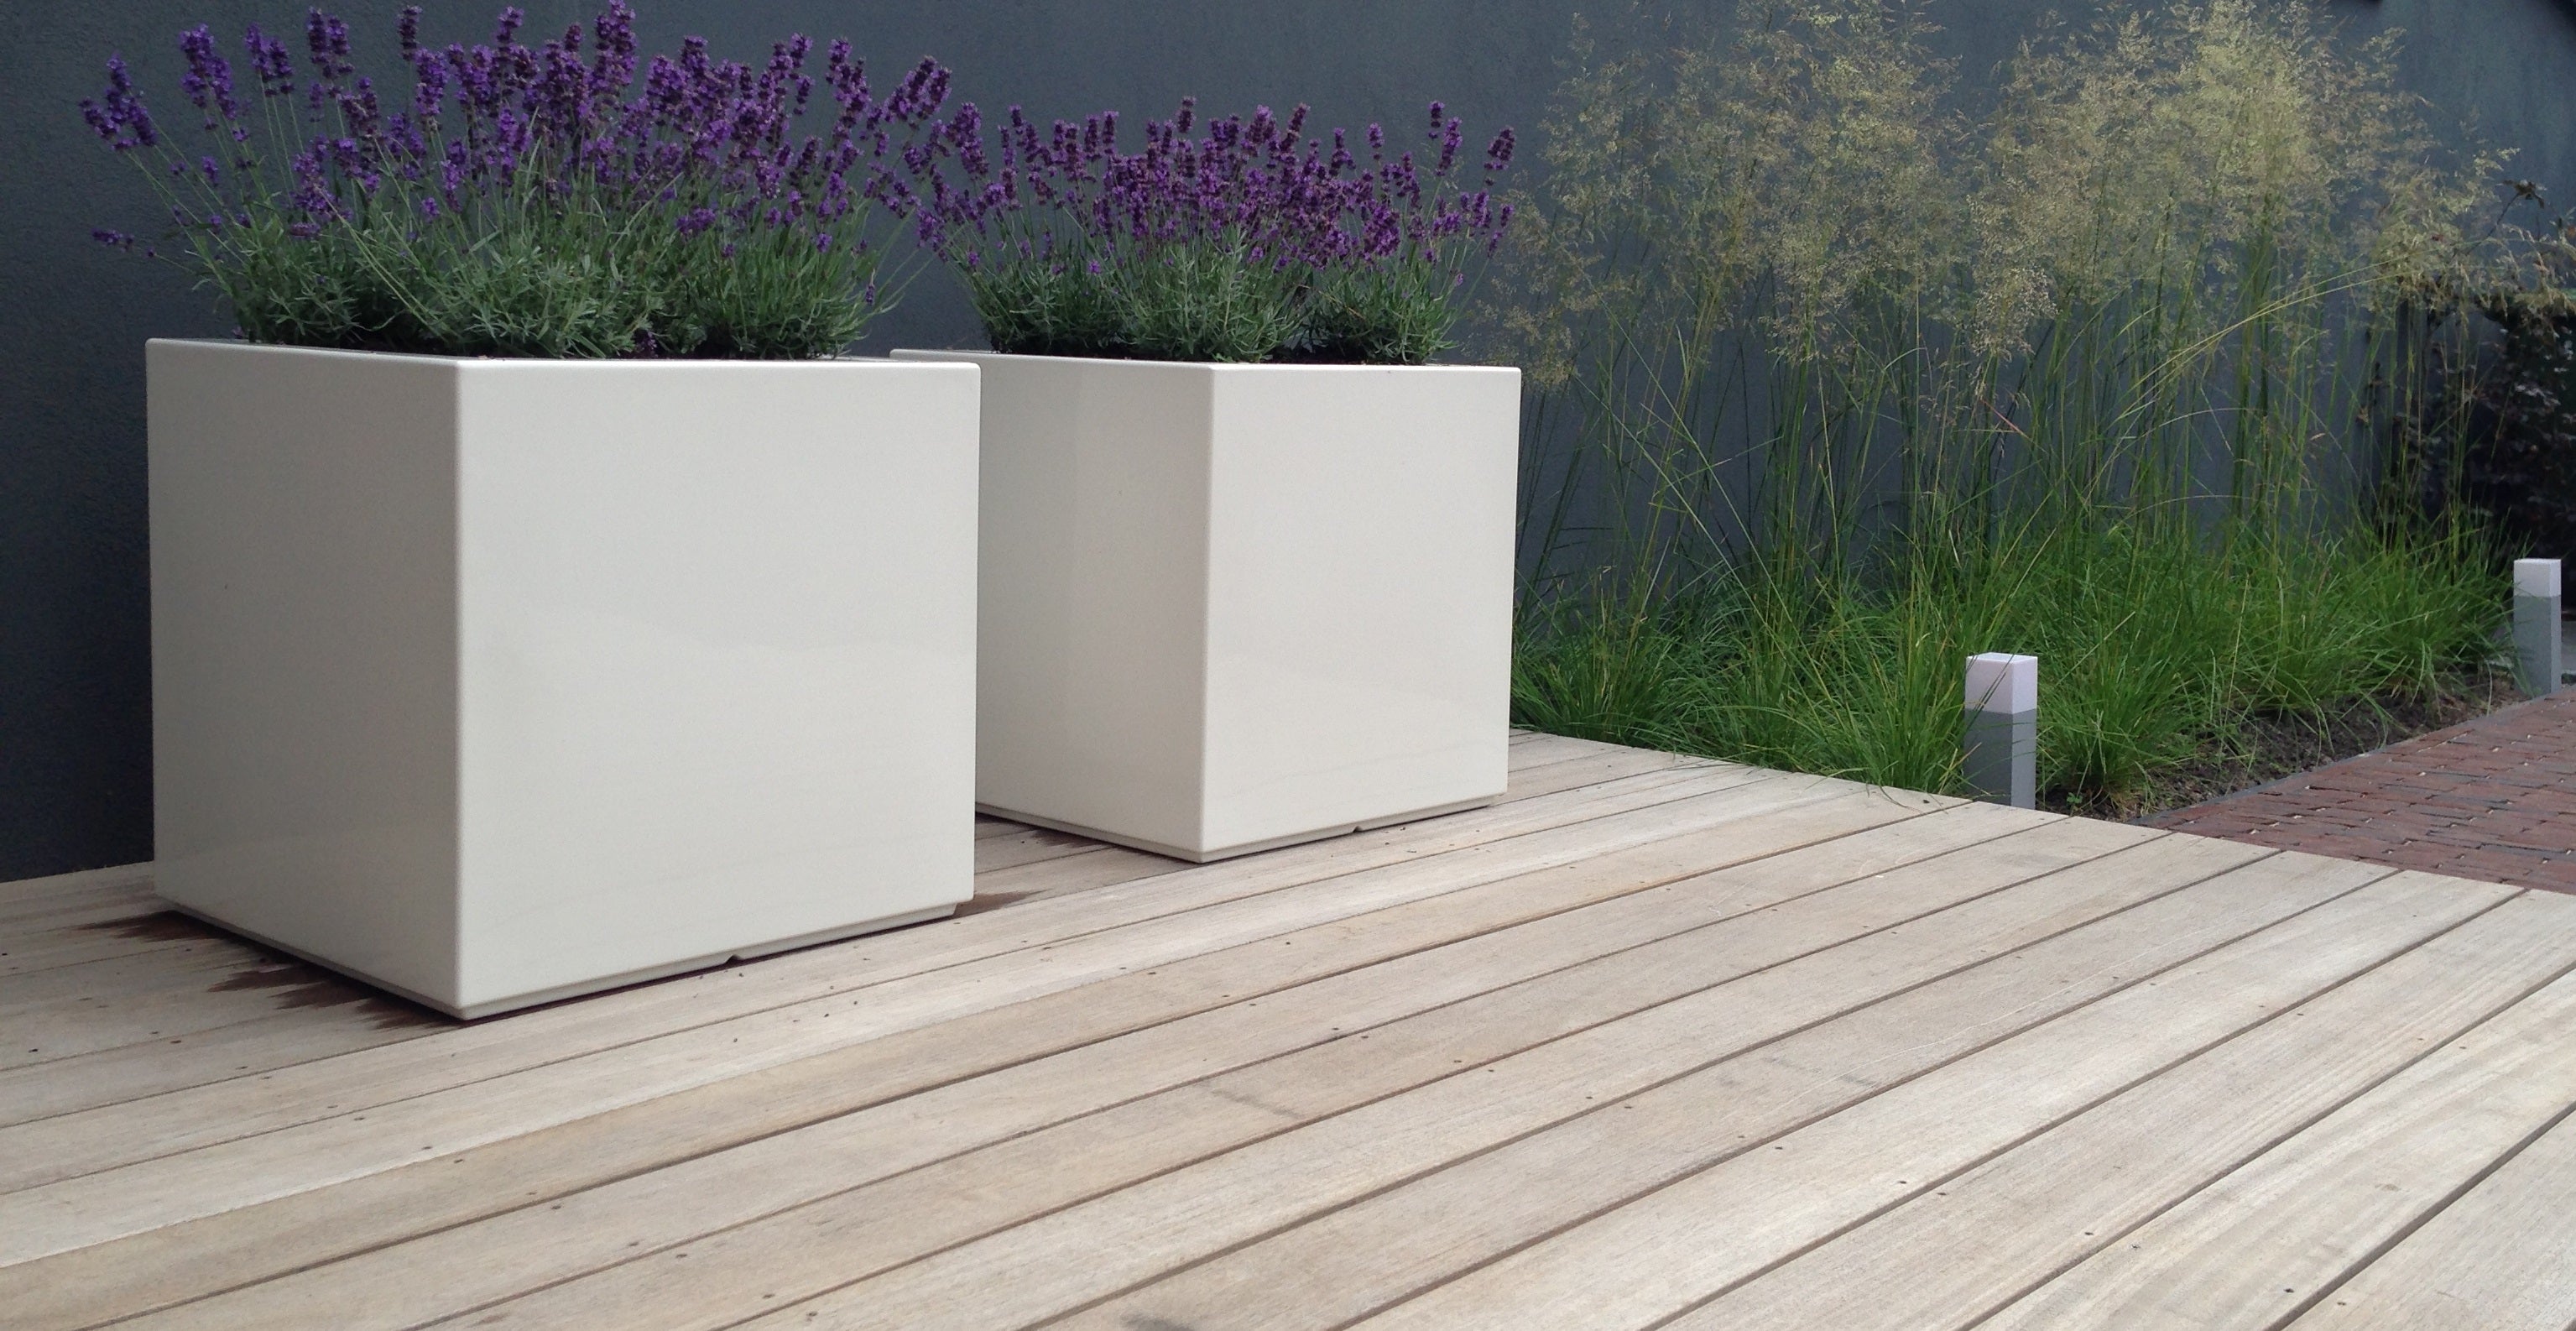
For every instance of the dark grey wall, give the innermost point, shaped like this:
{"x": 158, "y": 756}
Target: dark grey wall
{"x": 75, "y": 718}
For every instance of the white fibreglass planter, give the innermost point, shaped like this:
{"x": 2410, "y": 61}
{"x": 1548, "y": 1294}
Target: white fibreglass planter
{"x": 1227, "y": 607}
{"x": 497, "y": 681}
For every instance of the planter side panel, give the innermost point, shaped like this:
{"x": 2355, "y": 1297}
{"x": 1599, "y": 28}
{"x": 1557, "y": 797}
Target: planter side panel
{"x": 719, "y": 657}
{"x": 1360, "y": 595}
{"x": 1094, "y": 586}
{"x": 304, "y": 650}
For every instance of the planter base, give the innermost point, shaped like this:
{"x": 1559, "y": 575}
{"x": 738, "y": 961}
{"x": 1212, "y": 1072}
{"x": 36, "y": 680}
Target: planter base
{"x": 1246, "y": 848}
{"x": 641, "y": 975}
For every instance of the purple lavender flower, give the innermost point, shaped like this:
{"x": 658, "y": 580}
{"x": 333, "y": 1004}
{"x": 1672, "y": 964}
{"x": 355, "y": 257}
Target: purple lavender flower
{"x": 326, "y": 41}
{"x": 118, "y": 114}
{"x": 578, "y": 126}
{"x": 209, "y": 80}
{"x": 1245, "y": 193}
{"x": 269, "y": 60}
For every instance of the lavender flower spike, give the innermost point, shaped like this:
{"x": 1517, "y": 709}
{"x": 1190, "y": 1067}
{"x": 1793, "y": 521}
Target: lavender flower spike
{"x": 1238, "y": 244}
{"x": 502, "y": 146}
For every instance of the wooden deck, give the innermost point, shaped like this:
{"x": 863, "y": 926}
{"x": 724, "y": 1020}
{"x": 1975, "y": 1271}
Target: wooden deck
{"x": 1654, "y": 1043}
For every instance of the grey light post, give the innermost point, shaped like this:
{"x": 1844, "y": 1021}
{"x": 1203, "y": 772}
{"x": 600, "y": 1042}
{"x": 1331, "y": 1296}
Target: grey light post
{"x": 2535, "y": 625}
{"x": 2003, "y": 728}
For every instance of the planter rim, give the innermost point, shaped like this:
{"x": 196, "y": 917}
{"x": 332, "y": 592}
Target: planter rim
{"x": 915, "y": 354}
{"x": 640, "y": 363}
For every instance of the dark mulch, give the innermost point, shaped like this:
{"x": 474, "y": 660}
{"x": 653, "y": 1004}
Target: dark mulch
{"x": 2268, "y": 749}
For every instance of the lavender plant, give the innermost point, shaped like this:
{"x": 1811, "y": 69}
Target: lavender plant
{"x": 1250, "y": 242}
{"x": 533, "y": 201}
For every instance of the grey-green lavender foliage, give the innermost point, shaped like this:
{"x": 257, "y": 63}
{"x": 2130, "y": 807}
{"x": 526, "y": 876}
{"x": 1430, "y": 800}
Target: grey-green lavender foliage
{"x": 1862, "y": 379}
{"x": 1253, "y": 242}
{"x": 565, "y": 200}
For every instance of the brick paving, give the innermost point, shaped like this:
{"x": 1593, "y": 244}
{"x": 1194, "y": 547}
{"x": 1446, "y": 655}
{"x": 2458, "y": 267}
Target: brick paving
{"x": 2492, "y": 799}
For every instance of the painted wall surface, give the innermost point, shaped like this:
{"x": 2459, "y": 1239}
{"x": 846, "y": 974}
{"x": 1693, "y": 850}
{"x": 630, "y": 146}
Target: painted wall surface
{"x": 75, "y": 719}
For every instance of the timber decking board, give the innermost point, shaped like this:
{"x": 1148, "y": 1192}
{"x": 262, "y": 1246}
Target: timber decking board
{"x": 239, "y": 1105}
{"x": 1591, "y": 1004}
{"x": 116, "y": 1075}
{"x": 1652, "y": 1041}
{"x": 2067, "y": 1194}
{"x": 330, "y": 1138}
{"x": 885, "y": 1054}
{"x": 2465, "y": 1267}
{"x": 1551, "y": 969}
{"x": 1519, "y": 1104}
{"x": 2377, "y": 1167}
{"x": 1521, "y": 1191}
{"x": 1660, "y": 1254}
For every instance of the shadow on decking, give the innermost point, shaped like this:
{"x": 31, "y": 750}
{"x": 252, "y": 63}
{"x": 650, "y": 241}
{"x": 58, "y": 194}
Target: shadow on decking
{"x": 296, "y": 984}
{"x": 166, "y": 926}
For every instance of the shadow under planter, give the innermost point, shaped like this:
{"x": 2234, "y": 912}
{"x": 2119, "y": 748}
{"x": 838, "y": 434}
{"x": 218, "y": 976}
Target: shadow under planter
{"x": 496, "y": 681}
{"x": 1230, "y": 607}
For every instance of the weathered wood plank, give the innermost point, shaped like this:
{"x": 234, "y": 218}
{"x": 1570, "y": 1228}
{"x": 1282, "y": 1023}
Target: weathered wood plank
{"x": 2260, "y": 1245}
{"x": 1361, "y": 1258}
{"x": 1614, "y": 1053}
{"x": 24, "y": 903}
{"x": 315, "y": 1023}
{"x": 2497, "y": 1259}
{"x": 1027, "y": 845}
{"x": 246, "y": 1048}
{"x": 184, "y": 965}
{"x": 1495, "y": 840}
{"x": 1575, "y": 772}
{"x": 1530, "y": 748}
{"x": 78, "y": 906}
{"x": 27, "y": 896}
{"x": 1090, "y": 866}
{"x": 1032, "y": 1270}
{"x": 24, "y": 952}
{"x": 1665, "y": 1251}
{"x": 51, "y": 1217}
{"x": 1495, "y": 990}
{"x": 1957, "y": 1254}
{"x": 188, "y": 1000}
{"x": 291, "y": 1232}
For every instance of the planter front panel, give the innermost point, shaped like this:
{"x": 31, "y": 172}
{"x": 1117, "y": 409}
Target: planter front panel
{"x": 304, "y": 541}
{"x": 718, "y": 657}
{"x": 1359, "y": 594}
{"x": 1230, "y": 606}
{"x": 705, "y": 633}
{"x": 1092, "y": 623}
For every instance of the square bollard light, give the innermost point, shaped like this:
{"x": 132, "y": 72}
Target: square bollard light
{"x": 2535, "y": 626}
{"x": 2002, "y": 747}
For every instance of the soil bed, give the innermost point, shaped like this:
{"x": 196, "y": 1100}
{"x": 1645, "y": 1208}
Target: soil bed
{"x": 2265, "y": 749}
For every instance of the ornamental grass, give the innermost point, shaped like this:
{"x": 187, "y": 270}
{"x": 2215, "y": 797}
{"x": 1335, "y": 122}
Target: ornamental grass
{"x": 2135, "y": 365}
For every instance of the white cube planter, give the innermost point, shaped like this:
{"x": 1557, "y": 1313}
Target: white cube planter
{"x": 496, "y": 681}
{"x": 1228, "y": 607}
